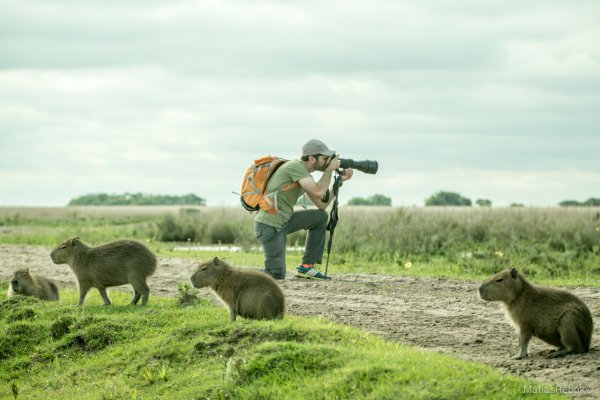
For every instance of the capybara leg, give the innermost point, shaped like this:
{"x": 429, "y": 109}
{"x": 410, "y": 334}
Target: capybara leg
{"x": 104, "y": 296}
{"x": 83, "y": 290}
{"x": 141, "y": 289}
{"x": 524, "y": 338}
{"x": 145, "y": 297}
{"x": 569, "y": 336}
{"x": 136, "y": 297}
{"x": 232, "y": 314}
{"x": 559, "y": 353}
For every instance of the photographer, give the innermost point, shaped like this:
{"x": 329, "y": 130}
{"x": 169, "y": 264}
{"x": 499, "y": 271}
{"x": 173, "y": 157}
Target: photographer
{"x": 272, "y": 229}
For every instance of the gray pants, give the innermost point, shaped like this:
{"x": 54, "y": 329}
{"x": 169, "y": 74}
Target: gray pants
{"x": 274, "y": 239}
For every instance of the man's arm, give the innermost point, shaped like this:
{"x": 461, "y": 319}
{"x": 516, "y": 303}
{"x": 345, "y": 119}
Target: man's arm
{"x": 316, "y": 190}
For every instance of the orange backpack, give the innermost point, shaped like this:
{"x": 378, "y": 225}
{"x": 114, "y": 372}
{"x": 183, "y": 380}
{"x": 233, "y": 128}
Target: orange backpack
{"x": 254, "y": 186}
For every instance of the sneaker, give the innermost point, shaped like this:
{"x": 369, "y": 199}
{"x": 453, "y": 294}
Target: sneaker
{"x": 310, "y": 273}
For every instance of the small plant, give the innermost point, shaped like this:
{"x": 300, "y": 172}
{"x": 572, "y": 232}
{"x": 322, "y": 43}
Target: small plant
{"x": 162, "y": 374}
{"x": 187, "y": 294}
{"x": 148, "y": 375}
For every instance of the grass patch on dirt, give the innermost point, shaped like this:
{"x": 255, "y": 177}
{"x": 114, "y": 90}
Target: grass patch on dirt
{"x": 463, "y": 270}
{"x": 166, "y": 351}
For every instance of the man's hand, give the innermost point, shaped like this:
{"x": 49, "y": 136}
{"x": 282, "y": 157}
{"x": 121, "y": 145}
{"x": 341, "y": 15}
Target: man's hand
{"x": 334, "y": 164}
{"x": 347, "y": 174}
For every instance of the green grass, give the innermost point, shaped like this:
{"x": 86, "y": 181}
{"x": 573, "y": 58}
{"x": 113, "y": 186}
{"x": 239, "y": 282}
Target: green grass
{"x": 166, "y": 351}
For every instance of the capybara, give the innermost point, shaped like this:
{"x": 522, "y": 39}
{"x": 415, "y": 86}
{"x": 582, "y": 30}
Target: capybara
{"x": 248, "y": 293}
{"x": 553, "y": 315}
{"x": 24, "y": 283}
{"x": 111, "y": 264}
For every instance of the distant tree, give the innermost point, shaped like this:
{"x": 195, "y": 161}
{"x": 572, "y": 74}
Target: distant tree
{"x": 570, "y": 203}
{"x": 447, "y": 199}
{"x": 136, "y": 199}
{"x": 483, "y": 202}
{"x": 592, "y": 202}
{"x": 375, "y": 200}
{"x": 517, "y": 205}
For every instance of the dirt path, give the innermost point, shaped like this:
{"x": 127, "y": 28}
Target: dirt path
{"x": 436, "y": 314}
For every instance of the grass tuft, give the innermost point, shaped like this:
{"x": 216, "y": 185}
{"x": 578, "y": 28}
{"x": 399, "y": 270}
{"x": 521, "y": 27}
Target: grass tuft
{"x": 93, "y": 336}
{"x": 187, "y": 294}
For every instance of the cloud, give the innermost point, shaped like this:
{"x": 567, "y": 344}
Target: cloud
{"x": 178, "y": 97}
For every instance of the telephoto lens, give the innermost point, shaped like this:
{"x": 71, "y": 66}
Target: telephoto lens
{"x": 366, "y": 166}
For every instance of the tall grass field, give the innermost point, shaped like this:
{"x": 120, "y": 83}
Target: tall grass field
{"x": 176, "y": 350}
{"x": 555, "y": 245}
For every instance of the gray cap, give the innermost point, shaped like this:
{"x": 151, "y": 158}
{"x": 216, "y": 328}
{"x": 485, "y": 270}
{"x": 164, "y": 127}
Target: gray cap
{"x": 314, "y": 147}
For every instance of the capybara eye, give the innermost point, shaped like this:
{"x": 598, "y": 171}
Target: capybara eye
{"x": 64, "y": 247}
{"x": 499, "y": 279}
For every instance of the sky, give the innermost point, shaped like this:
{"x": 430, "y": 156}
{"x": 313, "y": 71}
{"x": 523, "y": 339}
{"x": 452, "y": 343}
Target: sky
{"x": 493, "y": 100}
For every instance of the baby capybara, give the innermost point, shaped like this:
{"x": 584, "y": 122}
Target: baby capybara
{"x": 24, "y": 283}
{"x": 111, "y": 264}
{"x": 555, "y": 316}
{"x": 248, "y": 293}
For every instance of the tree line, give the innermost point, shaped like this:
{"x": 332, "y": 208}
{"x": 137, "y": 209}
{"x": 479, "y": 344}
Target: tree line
{"x": 445, "y": 198}
{"x": 137, "y": 199}
{"x": 441, "y": 198}
{"x": 591, "y": 202}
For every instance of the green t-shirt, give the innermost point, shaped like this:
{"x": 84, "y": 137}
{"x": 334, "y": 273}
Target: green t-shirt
{"x": 290, "y": 172}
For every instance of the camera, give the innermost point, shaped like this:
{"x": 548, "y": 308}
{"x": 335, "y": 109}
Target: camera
{"x": 366, "y": 166}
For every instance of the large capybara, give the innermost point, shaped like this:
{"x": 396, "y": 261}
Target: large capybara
{"x": 249, "y": 293}
{"x": 24, "y": 283}
{"x": 111, "y": 264}
{"x": 553, "y": 315}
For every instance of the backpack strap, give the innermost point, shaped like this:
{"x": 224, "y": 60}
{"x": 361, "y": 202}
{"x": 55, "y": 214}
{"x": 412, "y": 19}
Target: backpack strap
{"x": 271, "y": 198}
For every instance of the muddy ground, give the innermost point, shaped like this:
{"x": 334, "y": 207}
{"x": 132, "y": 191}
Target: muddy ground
{"x": 440, "y": 315}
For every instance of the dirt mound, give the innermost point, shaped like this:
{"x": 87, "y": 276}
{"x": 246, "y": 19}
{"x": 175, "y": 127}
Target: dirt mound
{"x": 436, "y": 314}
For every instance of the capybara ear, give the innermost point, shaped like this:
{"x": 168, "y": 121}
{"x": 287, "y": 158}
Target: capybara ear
{"x": 216, "y": 261}
{"x": 75, "y": 240}
{"x": 514, "y": 273}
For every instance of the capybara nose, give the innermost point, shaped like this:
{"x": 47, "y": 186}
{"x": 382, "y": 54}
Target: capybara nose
{"x": 14, "y": 283}
{"x": 481, "y": 290}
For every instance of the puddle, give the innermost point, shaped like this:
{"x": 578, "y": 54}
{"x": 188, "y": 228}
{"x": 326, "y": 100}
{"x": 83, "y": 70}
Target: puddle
{"x": 231, "y": 249}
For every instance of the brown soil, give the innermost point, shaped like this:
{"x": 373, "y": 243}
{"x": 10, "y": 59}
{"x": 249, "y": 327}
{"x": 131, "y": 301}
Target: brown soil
{"x": 440, "y": 315}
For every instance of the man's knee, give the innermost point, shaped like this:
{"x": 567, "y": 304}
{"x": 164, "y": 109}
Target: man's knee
{"x": 321, "y": 217}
